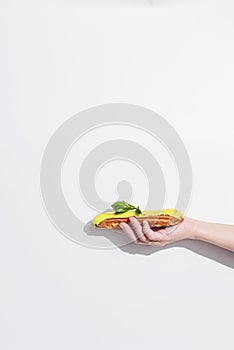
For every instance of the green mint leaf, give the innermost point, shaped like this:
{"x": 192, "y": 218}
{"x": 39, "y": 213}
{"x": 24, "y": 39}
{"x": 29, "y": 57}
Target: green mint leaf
{"x": 138, "y": 211}
{"x": 121, "y": 210}
{"x": 119, "y": 205}
{"x": 123, "y": 207}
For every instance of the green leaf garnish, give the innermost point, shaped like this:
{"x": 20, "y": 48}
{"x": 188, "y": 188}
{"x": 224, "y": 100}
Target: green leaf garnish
{"x": 138, "y": 211}
{"x": 123, "y": 207}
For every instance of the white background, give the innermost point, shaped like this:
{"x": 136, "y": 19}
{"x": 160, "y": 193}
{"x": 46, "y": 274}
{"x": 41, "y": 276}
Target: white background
{"x": 58, "y": 58}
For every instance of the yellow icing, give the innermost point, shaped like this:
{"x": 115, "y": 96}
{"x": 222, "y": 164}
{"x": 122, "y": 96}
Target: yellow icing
{"x": 109, "y": 215}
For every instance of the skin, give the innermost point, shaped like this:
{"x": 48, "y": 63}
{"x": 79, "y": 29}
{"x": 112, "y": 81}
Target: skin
{"x": 221, "y": 235}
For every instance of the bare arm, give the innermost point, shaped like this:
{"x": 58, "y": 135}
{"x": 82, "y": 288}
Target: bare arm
{"x": 221, "y": 235}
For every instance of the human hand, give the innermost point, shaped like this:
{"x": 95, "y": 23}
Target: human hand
{"x": 143, "y": 234}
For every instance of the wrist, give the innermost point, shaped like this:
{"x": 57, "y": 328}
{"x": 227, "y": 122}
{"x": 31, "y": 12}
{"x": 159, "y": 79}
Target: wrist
{"x": 191, "y": 229}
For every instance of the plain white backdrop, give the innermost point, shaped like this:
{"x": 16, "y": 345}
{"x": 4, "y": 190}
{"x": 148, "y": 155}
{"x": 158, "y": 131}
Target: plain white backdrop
{"x": 58, "y": 58}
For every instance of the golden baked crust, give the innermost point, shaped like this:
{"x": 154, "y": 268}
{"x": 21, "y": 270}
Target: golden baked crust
{"x": 155, "y": 221}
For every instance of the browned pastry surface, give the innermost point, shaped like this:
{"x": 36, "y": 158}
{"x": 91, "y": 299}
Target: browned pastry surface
{"x": 156, "y": 221}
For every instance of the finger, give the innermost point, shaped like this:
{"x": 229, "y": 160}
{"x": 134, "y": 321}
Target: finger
{"x": 166, "y": 230}
{"x": 137, "y": 229}
{"x": 150, "y": 234}
{"x": 127, "y": 229}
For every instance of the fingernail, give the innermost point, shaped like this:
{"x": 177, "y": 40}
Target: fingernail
{"x": 121, "y": 225}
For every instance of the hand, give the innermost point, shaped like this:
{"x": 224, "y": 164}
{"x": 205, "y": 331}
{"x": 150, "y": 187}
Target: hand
{"x": 143, "y": 234}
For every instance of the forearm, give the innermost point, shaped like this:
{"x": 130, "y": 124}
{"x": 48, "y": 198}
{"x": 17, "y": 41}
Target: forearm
{"x": 221, "y": 235}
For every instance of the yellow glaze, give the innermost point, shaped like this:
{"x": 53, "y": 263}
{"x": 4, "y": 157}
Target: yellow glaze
{"x": 110, "y": 215}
